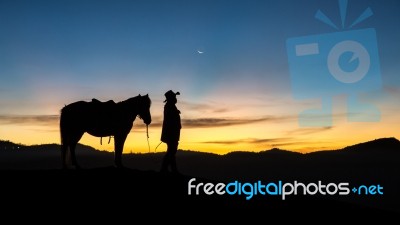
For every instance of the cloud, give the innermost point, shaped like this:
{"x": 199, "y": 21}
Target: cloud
{"x": 309, "y": 130}
{"x": 292, "y": 143}
{"x": 269, "y": 141}
{"x": 223, "y": 107}
{"x": 45, "y": 130}
{"x": 394, "y": 90}
{"x": 188, "y": 123}
{"x": 211, "y": 122}
{"x": 205, "y": 108}
{"x": 224, "y": 122}
{"x": 29, "y": 120}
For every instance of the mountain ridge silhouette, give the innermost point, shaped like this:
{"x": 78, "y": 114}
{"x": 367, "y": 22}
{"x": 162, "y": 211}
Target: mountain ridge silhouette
{"x": 47, "y": 156}
{"x": 379, "y": 142}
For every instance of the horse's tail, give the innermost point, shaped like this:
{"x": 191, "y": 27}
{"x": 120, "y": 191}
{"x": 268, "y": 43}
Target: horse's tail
{"x": 63, "y": 136}
{"x": 62, "y": 126}
{"x": 66, "y": 121}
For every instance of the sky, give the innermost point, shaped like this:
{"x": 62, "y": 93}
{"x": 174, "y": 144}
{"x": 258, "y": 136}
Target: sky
{"x": 228, "y": 59}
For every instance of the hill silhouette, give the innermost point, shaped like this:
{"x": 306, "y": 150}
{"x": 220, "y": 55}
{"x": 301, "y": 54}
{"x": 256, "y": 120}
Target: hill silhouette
{"x": 370, "y": 163}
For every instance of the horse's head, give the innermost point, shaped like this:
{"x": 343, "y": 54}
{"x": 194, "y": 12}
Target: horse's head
{"x": 144, "y": 109}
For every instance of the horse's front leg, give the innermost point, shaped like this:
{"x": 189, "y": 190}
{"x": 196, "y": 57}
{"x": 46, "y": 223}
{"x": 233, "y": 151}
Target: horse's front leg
{"x": 119, "y": 141}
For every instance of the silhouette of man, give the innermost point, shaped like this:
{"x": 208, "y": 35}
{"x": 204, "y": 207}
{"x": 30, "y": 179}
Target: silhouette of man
{"x": 171, "y": 131}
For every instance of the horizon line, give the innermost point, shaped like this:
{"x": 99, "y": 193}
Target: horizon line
{"x": 209, "y": 152}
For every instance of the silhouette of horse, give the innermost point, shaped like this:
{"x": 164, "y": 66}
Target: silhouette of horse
{"x": 101, "y": 119}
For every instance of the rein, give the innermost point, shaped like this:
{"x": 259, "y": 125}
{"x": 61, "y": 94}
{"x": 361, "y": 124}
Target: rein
{"x": 147, "y": 132}
{"x": 157, "y": 146}
{"x": 101, "y": 140}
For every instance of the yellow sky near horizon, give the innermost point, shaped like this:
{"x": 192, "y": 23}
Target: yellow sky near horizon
{"x": 220, "y": 127}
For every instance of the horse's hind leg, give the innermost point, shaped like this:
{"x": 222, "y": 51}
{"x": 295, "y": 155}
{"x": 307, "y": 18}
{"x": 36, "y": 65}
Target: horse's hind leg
{"x": 73, "y": 156}
{"x": 64, "y": 149}
{"x": 72, "y": 146}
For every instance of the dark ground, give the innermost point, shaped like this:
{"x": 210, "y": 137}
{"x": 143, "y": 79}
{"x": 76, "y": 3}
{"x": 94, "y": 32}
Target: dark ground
{"x": 127, "y": 192}
{"x": 36, "y": 186}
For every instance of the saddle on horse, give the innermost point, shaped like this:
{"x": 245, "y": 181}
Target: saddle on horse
{"x": 108, "y": 104}
{"x": 106, "y": 110}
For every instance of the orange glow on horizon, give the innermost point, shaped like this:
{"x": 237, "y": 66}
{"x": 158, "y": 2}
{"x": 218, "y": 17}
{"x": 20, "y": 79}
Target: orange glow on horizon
{"x": 221, "y": 140}
{"x": 220, "y": 128}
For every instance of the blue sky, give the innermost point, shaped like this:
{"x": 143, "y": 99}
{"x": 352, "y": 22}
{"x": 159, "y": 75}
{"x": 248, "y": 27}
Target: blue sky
{"x": 147, "y": 45}
{"x": 56, "y": 52}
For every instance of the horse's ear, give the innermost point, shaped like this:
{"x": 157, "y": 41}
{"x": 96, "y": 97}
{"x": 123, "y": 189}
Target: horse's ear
{"x": 140, "y": 95}
{"x": 147, "y": 95}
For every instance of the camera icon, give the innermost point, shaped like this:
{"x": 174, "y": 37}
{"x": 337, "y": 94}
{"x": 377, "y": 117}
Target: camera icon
{"x": 322, "y": 66}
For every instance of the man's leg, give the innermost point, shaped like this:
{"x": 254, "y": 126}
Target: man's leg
{"x": 169, "y": 158}
{"x": 173, "y": 149}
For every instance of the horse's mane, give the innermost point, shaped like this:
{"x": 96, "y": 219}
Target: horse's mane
{"x": 137, "y": 98}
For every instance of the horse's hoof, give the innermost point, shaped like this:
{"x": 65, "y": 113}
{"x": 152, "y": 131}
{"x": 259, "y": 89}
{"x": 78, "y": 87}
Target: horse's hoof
{"x": 119, "y": 166}
{"x": 77, "y": 167}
